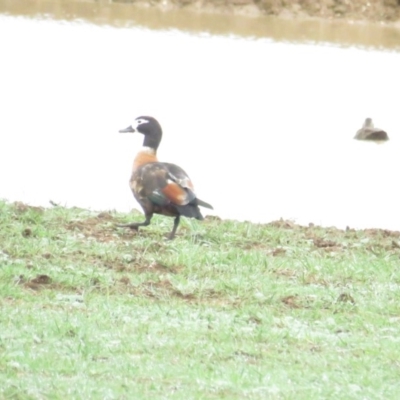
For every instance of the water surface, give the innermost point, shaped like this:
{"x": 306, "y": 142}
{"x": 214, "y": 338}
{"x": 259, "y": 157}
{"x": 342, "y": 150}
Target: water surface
{"x": 261, "y": 113}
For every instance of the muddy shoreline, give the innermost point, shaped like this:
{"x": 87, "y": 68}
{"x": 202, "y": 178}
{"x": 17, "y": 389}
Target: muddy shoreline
{"x": 352, "y": 10}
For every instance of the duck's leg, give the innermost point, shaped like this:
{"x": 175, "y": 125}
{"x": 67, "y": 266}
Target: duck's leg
{"x": 135, "y": 225}
{"x": 176, "y": 223}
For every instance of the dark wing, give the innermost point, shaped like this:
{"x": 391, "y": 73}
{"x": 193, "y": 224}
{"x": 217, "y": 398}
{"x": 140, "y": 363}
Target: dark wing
{"x": 181, "y": 178}
{"x": 371, "y": 134}
{"x": 164, "y": 183}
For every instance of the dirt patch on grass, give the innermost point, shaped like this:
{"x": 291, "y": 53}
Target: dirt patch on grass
{"x": 144, "y": 266}
{"x": 331, "y": 239}
{"x": 21, "y": 208}
{"x": 100, "y": 227}
{"x": 39, "y": 282}
{"x": 164, "y": 289}
{"x": 291, "y": 301}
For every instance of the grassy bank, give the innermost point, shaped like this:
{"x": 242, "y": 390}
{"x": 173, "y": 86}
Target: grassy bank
{"x": 226, "y": 311}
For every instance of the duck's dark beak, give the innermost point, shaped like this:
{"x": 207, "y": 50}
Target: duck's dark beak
{"x": 127, "y": 130}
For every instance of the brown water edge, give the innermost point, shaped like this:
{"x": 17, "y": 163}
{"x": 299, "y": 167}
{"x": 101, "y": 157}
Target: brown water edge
{"x": 355, "y": 10}
{"x": 165, "y": 16}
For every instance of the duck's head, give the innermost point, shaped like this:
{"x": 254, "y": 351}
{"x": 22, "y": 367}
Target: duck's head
{"x": 368, "y": 123}
{"x": 149, "y": 127}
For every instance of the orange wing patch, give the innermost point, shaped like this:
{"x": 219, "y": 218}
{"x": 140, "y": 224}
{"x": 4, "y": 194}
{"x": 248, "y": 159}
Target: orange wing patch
{"x": 175, "y": 193}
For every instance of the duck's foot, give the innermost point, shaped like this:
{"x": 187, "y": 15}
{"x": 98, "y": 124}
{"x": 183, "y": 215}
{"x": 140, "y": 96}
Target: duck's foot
{"x": 169, "y": 237}
{"x": 135, "y": 225}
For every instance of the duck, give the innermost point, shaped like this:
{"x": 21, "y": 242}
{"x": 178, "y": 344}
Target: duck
{"x": 369, "y": 132}
{"x": 160, "y": 187}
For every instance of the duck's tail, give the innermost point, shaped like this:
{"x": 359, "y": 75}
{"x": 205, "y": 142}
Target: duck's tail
{"x": 204, "y": 204}
{"x": 190, "y": 210}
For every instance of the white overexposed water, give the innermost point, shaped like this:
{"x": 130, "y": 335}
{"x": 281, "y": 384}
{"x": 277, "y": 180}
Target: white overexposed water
{"x": 264, "y": 128}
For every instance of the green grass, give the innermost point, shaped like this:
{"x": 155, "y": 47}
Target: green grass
{"x": 227, "y": 310}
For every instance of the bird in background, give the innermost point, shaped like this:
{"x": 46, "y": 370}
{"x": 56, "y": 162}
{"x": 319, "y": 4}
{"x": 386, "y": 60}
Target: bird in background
{"x": 369, "y": 132}
{"x": 160, "y": 188}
